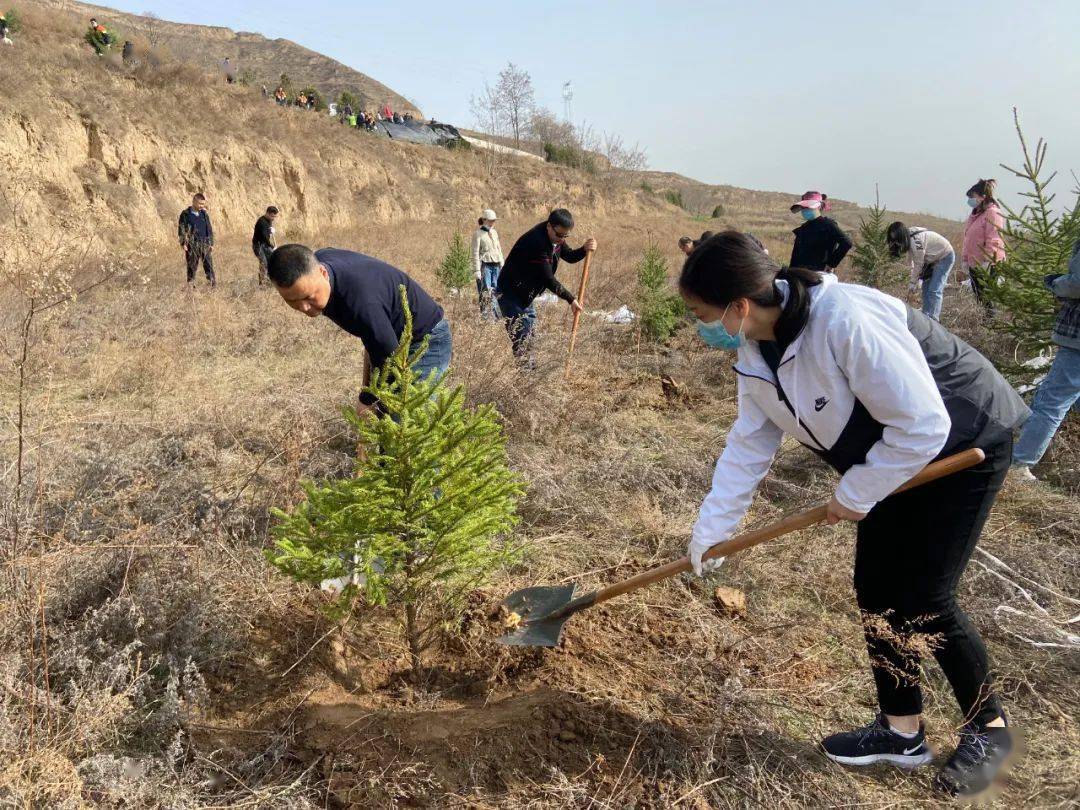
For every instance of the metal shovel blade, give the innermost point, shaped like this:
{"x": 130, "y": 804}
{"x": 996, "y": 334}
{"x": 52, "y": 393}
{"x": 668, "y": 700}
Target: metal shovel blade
{"x": 533, "y": 605}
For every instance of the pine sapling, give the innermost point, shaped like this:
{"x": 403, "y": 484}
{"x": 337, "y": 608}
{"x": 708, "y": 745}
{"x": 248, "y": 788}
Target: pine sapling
{"x": 661, "y": 307}
{"x": 873, "y": 265}
{"x": 1038, "y": 243}
{"x": 426, "y": 516}
{"x": 455, "y": 271}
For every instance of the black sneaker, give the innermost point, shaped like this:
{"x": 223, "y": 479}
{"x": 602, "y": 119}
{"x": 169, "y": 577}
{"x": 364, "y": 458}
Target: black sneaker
{"x": 877, "y": 742}
{"x": 977, "y": 760}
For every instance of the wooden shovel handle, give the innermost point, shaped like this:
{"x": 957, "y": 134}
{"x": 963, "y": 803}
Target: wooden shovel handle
{"x": 800, "y": 520}
{"x": 580, "y": 300}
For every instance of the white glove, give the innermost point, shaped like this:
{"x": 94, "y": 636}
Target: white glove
{"x": 695, "y": 550}
{"x": 479, "y": 275}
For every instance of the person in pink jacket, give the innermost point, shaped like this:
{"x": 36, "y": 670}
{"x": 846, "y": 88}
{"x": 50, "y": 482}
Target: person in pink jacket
{"x": 982, "y": 242}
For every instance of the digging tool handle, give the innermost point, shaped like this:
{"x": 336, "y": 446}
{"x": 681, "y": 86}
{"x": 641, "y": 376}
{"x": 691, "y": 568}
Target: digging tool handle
{"x": 800, "y": 520}
{"x": 580, "y": 300}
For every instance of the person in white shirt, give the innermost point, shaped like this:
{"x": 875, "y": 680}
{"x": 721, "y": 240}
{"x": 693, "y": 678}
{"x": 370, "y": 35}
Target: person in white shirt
{"x": 931, "y": 258}
{"x": 877, "y": 390}
{"x": 487, "y": 259}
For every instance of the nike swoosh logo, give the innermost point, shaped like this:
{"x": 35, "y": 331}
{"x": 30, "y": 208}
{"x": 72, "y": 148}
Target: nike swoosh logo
{"x": 819, "y": 407}
{"x": 909, "y": 751}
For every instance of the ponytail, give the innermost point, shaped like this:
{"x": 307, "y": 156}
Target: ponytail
{"x": 796, "y": 310}
{"x": 985, "y": 189}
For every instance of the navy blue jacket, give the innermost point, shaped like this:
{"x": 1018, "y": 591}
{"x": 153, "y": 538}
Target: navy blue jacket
{"x": 530, "y": 267}
{"x": 194, "y": 227}
{"x": 364, "y": 301}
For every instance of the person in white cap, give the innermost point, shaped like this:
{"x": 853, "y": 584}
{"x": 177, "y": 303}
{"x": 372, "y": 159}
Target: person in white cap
{"x": 487, "y": 259}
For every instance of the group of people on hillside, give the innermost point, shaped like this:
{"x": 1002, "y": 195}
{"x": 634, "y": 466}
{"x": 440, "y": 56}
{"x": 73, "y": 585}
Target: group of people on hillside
{"x": 875, "y": 388}
{"x": 821, "y": 245}
{"x": 5, "y": 30}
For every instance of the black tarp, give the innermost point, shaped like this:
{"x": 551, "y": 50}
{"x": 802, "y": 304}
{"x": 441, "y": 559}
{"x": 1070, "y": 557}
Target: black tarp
{"x": 418, "y": 132}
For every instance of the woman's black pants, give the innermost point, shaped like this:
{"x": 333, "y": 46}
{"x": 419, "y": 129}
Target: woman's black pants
{"x": 910, "y": 553}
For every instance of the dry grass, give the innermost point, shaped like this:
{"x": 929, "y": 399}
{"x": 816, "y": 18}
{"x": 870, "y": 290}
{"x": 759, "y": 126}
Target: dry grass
{"x": 182, "y": 672}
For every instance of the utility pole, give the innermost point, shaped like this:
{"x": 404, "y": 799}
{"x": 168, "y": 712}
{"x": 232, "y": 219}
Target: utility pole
{"x": 567, "y": 97}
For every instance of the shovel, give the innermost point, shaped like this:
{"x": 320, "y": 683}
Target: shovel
{"x": 543, "y": 610}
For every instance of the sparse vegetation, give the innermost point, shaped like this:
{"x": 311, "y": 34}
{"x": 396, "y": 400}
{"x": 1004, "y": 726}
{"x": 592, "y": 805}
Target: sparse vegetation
{"x": 152, "y": 658}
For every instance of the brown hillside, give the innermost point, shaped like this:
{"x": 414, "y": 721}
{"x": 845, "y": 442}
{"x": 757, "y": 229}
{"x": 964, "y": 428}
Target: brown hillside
{"x": 207, "y": 45}
{"x": 82, "y": 135}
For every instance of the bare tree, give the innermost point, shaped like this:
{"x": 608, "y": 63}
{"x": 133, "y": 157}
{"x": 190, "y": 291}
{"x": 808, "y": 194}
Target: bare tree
{"x": 546, "y": 127}
{"x": 516, "y": 99}
{"x": 621, "y": 156}
{"x": 153, "y": 28}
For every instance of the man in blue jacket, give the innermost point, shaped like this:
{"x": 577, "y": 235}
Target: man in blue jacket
{"x": 1058, "y": 393}
{"x": 196, "y": 235}
{"x": 529, "y": 270}
{"x": 362, "y": 295}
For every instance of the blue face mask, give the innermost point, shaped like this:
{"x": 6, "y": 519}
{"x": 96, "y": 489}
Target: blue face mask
{"x": 714, "y": 334}
{"x": 972, "y": 202}
{"x": 808, "y": 214}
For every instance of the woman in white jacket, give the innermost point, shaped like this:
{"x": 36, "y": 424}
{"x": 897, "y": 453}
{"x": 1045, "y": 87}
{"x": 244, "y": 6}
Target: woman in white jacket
{"x": 878, "y": 390}
{"x": 487, "y": 259}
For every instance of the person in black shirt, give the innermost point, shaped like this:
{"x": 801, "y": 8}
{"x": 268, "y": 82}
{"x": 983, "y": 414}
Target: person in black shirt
{"x": 262, "y": 240}
{"x": 820, "y": 244}
{"x": 529, "y": 270}
{"x": 361, "y": 295}
{"x": 196, "y": 235}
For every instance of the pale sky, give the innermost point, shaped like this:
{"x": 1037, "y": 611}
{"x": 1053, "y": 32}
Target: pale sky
{"x": 832, "y": 95}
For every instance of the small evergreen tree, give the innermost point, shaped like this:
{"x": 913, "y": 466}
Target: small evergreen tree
{"x": 873, "y": 265}
{"x": 455, "y": 271}
{"x": 347, "y": 99}
{"x": 675, "y": 198}
{"x": 1038, "y": 243}
{"x": 424, "y": 517}
{"x": 718, "y": 211}
{"x": 661, "y": 307}
{"x": 14, "y": 21}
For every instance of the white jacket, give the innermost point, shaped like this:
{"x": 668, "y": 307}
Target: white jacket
{"x": 486, "y": 249}
{"x": 854, "y": 373}
{"x": 927, "y": 247}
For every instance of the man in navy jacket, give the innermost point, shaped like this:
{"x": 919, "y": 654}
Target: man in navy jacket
{"x": 362, "y": 295}
{"x": 529, "y": 270}
{"x": 196, "y": 235}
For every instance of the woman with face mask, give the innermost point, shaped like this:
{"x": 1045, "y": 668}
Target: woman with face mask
{"x": 487, "y": 259}
{"x": 982, "y": 242}
{"x": 931, "y": 258}
{"x": 877, "y": 390}
{"x": 820, "y": 244}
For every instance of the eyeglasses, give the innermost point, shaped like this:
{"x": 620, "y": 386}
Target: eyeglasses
{"x": 559, "y": 235}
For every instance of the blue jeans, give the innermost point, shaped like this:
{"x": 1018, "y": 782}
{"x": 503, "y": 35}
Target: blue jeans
{"x": 437, "y": 357}
{"x": 519, "y": 322}
{"x": 933, "y": 288}
{"x": 1055, "y": 396}
{"x": 489, "y": 280}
